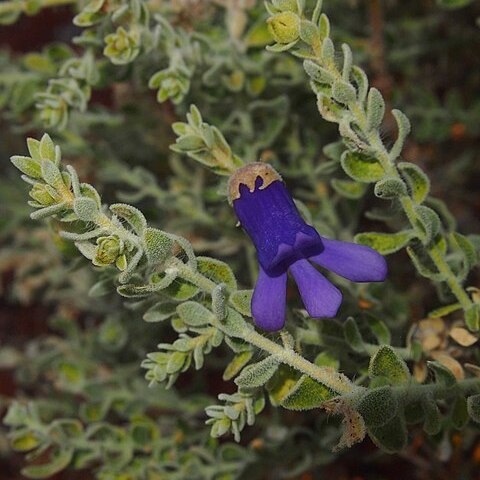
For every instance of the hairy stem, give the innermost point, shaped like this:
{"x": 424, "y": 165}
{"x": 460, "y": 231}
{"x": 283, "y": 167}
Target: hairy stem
{"x": 327, "y": 376}
{"x": 382, "y": 155}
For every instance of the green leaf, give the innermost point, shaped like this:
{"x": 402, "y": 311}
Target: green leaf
{"x": 343, "y": 92}
{"x": 195, "y": 314}
{"x": 444, "y": 311}
{"x": 258, "y": 35}
{"x": 282, "y": 382}
{"x": 235, "y": 325}
{"x": 48, "y": 211}
{"x": 27, "y": 165}
{"x": 241, "y": 301}
{"x": 194, "y": 117}
{"x": 391, "y": 437}
{"x": 51, "y": 174}
{"x": 353, "y": 336}
{"x": 181, "y": 290}
{"x": 257, "y": 374}
{"x": 330, "y": 110}
{"x": 468, "y": 250}
{"x": 473, "y": 407}
{"x": 176, "y": 362}
{"x": 361, "y": 167}
{"x": 24, "y": 440}
{"x": 385, "y": 243}
{"x": 47, "y": 148}
{"x": 132, "y": 215}
{"x": 334, "y": 151}
{"x": 101, "y": 288}
{"x": 390, "y": 188}
{"x": 318, "y": 73}
{"x": 387, "y": 364}
{"x": 403, "y": 130}
{"x": 158, "y": 245}
{"x": 87, "y": 190}
{"x": 217, "y": 271}
{"x": 379, "y": 330}
{"x": 429, "y": 222}
{"x": 33, "y": 146}
{"x": 160, "y": 311}
{"x": 190, "y": 142}
{"x": 307, "y": 394}
{"x": 85, "y": 209}
{"x": 327, "y": 359}
{"x": 378, "y": 406}
{"x": 417, "y": 181}
{"x": 472, "y": 317}
{"x": 361, "y": 79}
{"x": 58, "y": 462}
{"x": 348, "y": 189}
{"x": 459, "y": 415}
{"x": 433, "y": 418}
{"x": 424, "y": 265}
{"x": 375, "y": 109}
{"x": 443, "y": 375}
{"x": 238, "y": 362}
{"x": 414, "y": 413}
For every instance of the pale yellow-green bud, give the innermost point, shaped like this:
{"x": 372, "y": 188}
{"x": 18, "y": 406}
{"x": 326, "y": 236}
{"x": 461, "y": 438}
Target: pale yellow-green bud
{"x": 108, "y": 250}
{"x": 284, "y": 27}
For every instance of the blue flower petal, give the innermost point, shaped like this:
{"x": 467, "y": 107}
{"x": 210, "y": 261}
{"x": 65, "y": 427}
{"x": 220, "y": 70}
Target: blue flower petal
{"x": 269, "y": 301}
{"x": 320, "y": 297}
{"x": 275, "y": 226}
{"x": 358, "y": 263}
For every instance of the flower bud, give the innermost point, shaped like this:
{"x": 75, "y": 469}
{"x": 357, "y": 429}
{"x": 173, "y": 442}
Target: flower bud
{"x": 108, "y": 250}
{"x": 171, "y": 83}
{"x": 122, "y": 46}
{"x": 284, "y": 27}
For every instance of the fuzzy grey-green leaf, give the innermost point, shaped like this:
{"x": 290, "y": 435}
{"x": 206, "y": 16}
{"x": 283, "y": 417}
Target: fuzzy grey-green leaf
{"x": 27, "y": 165}
{"x": 385, "y": 243}
{"x": 353, "y": 336}
{"x": 241, "y": 301}
{"x": 257, "y": 374}
{"x": 361, "y": 167}
{"x": 378, "y": 406}
{"x": 307, "y": 394}
{"x": 85, "y": 209}
{"x": 417, "y": 180}
{"x": 158, "y": 245}
{"x": 194, "y": 314}
{"x": 132, "y": 215}
{"x": 390, "y": 187}
{"x": 391, "y": 437}
{"x": 375, "y": 109}
{"x": 386, "y": 363}
{"x": 348, "y": 189}
{"x": 217, "y": 271}
{"x": 473, "y": 407}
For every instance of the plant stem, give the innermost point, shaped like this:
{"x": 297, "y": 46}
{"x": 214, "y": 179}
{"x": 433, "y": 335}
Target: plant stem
{"x": 327, "y": 376}
{"x": 416, "y": 392}
{"x": 381, "y": 153}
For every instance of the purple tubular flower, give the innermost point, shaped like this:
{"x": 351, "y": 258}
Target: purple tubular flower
{"x": 284, "y": 242}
